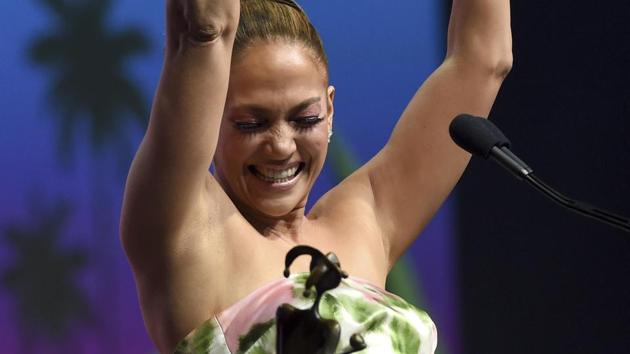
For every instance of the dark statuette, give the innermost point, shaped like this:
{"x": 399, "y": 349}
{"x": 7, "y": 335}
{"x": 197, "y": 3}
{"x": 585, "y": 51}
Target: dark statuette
{"x": 305, "y": 331}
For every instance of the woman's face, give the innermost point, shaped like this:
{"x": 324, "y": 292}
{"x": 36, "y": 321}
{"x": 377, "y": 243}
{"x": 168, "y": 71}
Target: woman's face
{"x": 274, "y": 132}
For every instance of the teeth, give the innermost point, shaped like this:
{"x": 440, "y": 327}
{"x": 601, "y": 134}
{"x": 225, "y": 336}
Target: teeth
{"x": 271, "y": 175}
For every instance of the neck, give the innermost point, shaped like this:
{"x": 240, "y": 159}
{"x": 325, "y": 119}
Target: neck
{"x": 286, "y": 227}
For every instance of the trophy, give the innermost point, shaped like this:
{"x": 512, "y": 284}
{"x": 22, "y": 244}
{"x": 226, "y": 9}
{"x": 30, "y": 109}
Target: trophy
{"x": 305, "y": 331}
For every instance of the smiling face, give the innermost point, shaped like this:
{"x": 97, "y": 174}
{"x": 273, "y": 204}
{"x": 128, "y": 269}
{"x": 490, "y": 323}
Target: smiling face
{"x": 274, "y": 132}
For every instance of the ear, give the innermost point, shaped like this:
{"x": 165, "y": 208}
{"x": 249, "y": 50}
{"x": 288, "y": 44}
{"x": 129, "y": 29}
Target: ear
{"x": 330, "y": 97}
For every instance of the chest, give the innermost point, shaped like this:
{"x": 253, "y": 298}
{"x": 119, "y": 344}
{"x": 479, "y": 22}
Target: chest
{"x": 360, "y": 254}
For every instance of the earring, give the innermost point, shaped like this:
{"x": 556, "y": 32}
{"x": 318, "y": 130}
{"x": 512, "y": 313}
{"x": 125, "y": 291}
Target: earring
{"x": 329, "y": 135}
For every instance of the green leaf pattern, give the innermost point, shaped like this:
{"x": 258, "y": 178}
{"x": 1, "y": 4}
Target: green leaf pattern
{"x": 207, "y": 338}
{"x": 387, "y": 323}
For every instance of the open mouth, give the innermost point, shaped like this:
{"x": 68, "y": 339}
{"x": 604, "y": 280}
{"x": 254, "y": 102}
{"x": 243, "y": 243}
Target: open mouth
{"x": 272, "y": 175}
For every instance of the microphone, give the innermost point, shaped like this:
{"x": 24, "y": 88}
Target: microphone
{"x": 481, "y": 137}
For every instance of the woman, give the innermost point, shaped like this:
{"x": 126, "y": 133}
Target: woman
{"x": 253, "y": 97}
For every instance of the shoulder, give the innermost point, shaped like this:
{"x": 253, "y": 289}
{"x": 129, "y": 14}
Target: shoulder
{"x": 350, "y": 224}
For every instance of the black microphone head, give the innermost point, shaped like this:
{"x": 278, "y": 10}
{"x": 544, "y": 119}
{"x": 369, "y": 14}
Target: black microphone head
{"x": 476, "y": 135}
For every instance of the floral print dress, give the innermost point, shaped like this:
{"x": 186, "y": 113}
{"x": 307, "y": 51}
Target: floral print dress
{"x": 387, "y": 323}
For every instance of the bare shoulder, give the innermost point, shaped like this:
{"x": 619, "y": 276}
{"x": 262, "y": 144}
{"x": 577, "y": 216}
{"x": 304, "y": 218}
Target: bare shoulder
{"x": 347, "y": 212}
{"x": 181, "y": 277}
{"x": 148, "y": 230}
{"x": 348, "y": 203}
{"x": 199, "y": 247}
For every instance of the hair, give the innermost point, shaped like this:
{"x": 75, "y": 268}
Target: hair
{"x": 270, "y": 20}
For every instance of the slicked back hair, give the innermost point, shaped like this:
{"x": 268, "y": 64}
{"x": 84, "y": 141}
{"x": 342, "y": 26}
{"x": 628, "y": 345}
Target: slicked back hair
{"x": 270, "y": 20}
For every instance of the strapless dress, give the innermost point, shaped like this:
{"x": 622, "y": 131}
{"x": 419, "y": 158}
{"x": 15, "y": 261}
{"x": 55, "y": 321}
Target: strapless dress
{"x": 387, "y": 323}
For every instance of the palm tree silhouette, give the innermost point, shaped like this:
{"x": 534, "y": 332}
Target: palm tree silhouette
{"x": 41, "y": 279}
{"x": 91, "y": 92}
{"x": 89, "y": 84}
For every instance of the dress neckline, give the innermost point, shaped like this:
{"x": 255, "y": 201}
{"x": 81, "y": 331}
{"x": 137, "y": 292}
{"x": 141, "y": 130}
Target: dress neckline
{"x": 288, "y": 281}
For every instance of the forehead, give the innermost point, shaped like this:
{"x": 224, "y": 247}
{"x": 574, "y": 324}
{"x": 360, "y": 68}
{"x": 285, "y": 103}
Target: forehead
{"x": 276, "y": 74}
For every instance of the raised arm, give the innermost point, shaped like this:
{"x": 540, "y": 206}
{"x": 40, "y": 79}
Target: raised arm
{"x": 414, "y": 173}
{"x": 170, "y": 170}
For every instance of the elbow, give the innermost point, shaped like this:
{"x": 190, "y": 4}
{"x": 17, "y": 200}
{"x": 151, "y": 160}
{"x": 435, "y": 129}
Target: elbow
{"x": 208, "y": 32}
{"x": 489, "y": 60}
{"x": 200, "y": 32}
{"x": 502, "y": 66}
{"x": 493, "y": 67}
{"x": 197, "y": 23}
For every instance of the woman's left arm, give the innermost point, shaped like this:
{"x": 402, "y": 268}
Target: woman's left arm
{"x": 417, "y": 169}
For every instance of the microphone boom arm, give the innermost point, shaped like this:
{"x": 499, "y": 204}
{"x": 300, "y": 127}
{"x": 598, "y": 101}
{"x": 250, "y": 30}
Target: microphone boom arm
{"x": 504, "y": 157}
{"x": 578, "y": 206}
{"x": 481, "y": 137}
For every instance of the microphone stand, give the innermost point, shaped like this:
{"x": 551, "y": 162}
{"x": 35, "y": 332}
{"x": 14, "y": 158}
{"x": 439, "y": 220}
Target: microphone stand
{"x": 481, "y": 137}
{"x": 577, "y": 206}
{"x": 504, "y": 157}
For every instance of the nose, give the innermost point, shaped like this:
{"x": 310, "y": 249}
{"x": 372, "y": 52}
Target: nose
{"x": 280, "y": 143}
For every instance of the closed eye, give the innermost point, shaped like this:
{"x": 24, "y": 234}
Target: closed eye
{"x": 304, "y": 123}
{"x": 249, "y": 126}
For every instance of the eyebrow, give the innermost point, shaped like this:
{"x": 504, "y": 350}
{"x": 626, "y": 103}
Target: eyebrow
{"x": 264, "y": 111}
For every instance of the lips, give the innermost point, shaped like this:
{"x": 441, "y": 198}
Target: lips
{"x": 276, "y": 175}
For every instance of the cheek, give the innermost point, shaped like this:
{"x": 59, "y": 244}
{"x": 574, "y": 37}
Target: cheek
{"x": 317, "y": 143}
{"x": 230, "y": 151}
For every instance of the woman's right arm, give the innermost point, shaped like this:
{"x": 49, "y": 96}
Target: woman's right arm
{"x": 167, "y": 183}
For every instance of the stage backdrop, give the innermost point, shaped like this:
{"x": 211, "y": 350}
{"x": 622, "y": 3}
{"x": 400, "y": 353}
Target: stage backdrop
{"x": 536, "y": 278}
{"x": 77, "y": 79}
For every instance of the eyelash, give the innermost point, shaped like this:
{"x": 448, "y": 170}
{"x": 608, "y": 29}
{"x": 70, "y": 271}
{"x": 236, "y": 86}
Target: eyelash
{"x": 306, "y": 123}
{"x": 302, "y": 124}
{"x": 248, "y": 127}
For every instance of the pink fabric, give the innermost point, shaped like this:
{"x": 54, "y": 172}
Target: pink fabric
{"x": 258, "y": 307}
